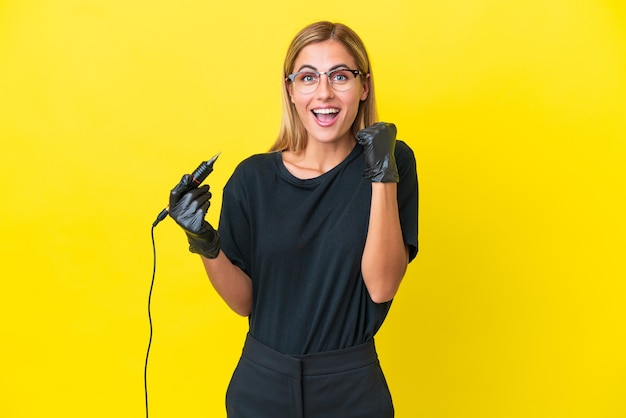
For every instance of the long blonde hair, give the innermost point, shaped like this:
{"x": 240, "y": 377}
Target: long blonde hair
{"x": 292, "y": 135}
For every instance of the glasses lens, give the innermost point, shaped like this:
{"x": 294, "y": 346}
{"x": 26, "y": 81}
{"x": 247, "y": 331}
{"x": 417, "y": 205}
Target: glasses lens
{"x": 306, "y": 82}
{"x": 342, "y": 79}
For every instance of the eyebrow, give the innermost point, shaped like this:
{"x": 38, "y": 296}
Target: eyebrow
{"x": 305, "y": 66}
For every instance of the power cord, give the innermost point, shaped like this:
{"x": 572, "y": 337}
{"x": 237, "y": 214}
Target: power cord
{"x": 145, "y": 369}
{"x": 199, "y": 174}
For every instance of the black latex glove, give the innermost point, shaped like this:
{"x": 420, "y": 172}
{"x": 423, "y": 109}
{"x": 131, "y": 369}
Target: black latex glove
{"x": 379, "y": 144}
{"x": 188, "y": 206}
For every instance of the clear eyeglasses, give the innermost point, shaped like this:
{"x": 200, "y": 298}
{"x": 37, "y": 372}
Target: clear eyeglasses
{"x": 341, "y": 79}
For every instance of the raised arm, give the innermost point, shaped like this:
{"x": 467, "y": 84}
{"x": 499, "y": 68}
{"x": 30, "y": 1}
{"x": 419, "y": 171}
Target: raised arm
{"x": 385, "y": 257}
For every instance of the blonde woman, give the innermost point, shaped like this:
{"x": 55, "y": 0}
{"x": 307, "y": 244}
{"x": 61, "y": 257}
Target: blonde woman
{"x": 314, "y": 239}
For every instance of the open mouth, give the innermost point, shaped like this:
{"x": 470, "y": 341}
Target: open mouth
{"x": 326, "y": 115}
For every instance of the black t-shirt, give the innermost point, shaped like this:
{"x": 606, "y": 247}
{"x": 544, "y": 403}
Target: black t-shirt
{"x": 301, "y": 242}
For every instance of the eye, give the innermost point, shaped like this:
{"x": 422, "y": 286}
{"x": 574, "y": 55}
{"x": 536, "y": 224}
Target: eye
{"x": 340, "y": 76}
{"x": 307, "y": 78}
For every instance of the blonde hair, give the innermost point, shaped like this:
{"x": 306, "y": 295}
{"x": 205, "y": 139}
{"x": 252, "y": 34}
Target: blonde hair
{"x": 292, "y": 135}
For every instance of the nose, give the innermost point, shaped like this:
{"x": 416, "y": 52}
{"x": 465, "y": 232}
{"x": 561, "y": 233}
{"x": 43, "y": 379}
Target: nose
{"x": 324, "y": 88}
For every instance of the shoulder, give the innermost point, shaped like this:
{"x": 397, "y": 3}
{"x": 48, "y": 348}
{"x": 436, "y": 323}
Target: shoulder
{"x": 404, "y": 154}
{"x": 257, "y": 160}
{"x": 253, "y": 169}
{"x": 403, "y": 149}
{"x": 255, "y": 163}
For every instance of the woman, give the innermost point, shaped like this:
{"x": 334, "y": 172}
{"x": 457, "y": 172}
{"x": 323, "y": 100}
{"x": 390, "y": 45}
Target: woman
{"x": 314, "y": 239}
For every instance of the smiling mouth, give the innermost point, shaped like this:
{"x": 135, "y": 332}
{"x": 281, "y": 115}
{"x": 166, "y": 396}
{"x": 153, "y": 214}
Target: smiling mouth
{"x": 326, "y": 115}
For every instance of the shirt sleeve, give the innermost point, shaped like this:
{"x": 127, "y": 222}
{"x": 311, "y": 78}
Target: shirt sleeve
{"x": 234, "y": 227}
{"x": 408, "y": 196}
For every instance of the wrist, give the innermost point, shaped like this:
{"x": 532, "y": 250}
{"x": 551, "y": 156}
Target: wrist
{"x": 207, "y": 243}
{"x": 385, "y": 191}
{"x": 385, "y": 172}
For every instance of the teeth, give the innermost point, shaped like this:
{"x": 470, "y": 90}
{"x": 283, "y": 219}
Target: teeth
{"x": 325, "y": 111}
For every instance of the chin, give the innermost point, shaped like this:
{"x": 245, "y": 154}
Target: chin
{"x": 329, "y": 134}
{"x": 327, "y": 137}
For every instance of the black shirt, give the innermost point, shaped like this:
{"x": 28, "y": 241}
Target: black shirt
{"x": 301, "y": 243}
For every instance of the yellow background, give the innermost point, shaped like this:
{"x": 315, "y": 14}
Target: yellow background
{"x": 516, "y": 304}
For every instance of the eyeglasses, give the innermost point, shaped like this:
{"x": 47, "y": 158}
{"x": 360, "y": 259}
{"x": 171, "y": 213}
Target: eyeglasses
{"x": 341, "y": 79}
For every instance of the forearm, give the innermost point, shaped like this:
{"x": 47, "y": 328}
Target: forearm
{"x": 385, "y": 256}
{"x": 230, "y": 282}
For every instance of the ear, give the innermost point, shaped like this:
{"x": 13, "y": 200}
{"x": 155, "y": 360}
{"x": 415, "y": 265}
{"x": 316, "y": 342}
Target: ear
{"x": 289, "y": 87}
{"x": 366, "y": 88}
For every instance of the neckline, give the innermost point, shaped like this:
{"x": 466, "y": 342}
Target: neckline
{"x": 287, "y": 175}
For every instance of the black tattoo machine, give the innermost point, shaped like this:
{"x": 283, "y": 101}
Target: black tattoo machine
{"x": 198, "y": 176}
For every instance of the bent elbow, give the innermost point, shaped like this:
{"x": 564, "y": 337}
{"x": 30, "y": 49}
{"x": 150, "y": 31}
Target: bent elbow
{"x": 243, "y": 313}
{"x": 382, "y": 294}
{"x": 383, "y": 286}
{"x": 243, "y": 310}
{"x": 381, "y": 297}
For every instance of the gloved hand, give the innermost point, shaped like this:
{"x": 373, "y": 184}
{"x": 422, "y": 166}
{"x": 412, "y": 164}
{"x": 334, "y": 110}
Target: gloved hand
{"x": 379, "y": 144}
{"x": 188, "y": 206}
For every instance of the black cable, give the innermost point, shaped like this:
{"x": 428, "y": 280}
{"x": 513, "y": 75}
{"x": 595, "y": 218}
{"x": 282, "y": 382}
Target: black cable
{"x": 145, "y": 369}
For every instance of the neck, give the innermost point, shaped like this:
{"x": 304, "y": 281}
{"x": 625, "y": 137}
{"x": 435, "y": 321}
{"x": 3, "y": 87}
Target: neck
{"x": 317, "y": 158}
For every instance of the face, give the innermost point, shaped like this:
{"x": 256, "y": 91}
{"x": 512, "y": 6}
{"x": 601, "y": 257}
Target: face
{"x": 326, "y": 114}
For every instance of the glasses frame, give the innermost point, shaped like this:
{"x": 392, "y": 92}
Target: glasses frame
{"x": 292, "y": 78}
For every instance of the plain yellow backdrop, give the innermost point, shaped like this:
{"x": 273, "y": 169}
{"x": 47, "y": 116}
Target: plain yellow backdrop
{"x": 516, "y": 304}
